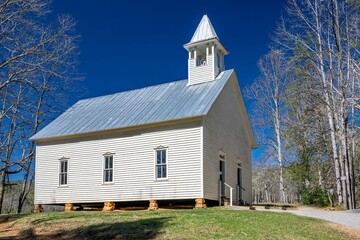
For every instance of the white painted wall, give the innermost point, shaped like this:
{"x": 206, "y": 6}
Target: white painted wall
{"x": 225, "y": 129}
{"x": 202, "y": 73}
{"x": 133, "y": 166}
{"x": 193, "y": 159}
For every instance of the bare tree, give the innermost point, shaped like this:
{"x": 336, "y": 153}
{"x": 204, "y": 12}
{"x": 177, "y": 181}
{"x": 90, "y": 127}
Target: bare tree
{"x": 322, "y": 38}
{"x": 37, "y": 60}
{"x": 268, "y": 93}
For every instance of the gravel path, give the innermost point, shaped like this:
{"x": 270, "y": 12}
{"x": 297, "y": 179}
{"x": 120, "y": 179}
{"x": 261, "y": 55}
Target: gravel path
{"x": 349, "y": 218}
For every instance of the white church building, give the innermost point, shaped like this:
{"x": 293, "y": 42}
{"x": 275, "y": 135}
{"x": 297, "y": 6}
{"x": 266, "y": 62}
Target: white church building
{"x": 187, "y": 140}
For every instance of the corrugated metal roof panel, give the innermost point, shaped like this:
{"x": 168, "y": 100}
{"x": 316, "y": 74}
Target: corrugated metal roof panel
{"x": 169, "y": 101}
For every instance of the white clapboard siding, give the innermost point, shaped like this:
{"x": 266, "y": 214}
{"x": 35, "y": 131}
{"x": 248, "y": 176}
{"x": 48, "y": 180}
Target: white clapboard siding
{"x": 225, "y": 129}
{"x": 134, "y": 166}
{"x": 202, "y": 73}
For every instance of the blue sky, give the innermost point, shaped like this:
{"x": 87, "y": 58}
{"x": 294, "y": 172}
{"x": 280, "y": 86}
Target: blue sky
{"x": 132, "y": 44}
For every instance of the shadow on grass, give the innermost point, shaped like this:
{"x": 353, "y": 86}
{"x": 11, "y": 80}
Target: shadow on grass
{"x": 12, "y": 217}
{"x": 49, "y": 218}
{"x": 140, "y": 229}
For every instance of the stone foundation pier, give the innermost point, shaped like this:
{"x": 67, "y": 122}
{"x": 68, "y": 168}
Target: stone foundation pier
{"x": 200, "y": 203}
{"x": 69, "y": 207}
{"x": 109, "y": 206}
{"x": 37, "y": 208}
{"x": 153, "y": 205}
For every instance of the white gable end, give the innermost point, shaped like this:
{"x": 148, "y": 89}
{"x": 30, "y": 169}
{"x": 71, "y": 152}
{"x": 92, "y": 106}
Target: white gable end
{"x": 227, "y": 131}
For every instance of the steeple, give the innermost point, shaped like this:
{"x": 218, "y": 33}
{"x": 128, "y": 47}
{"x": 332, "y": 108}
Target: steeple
{"x": 204, "y": 31}
{"x": 206, "y": 54}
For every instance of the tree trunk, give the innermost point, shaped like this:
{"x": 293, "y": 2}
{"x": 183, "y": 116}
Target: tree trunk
{"x": 2, "y": 189}
{"x": 329, "y": 107}
{"x": 26, "y": 184}
{"x": 279, "y": 153}
{"x": 25, "y": 188}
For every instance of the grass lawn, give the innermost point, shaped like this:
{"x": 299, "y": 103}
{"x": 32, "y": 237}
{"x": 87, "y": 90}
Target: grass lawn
{"x": 210, "y": 223}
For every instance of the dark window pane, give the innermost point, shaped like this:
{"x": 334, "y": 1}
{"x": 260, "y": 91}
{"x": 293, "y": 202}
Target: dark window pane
{"x": 108, "y": 162}
{"x": 63, "y": 172}
{"x": 158, "y": 172}
{"x": 161, "y": 163}
{"x": 108, "y": 176}
{"x": 63, "y": 166}
{"x": 163, "y": 156}
{"x": 158, "y": 157}
{"x": 63, "y": 179}
{"x": 163, "y": 171}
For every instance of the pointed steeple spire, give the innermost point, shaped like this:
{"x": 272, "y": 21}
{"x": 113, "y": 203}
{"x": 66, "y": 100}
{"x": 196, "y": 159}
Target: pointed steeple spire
{"x": 204, "y": 31}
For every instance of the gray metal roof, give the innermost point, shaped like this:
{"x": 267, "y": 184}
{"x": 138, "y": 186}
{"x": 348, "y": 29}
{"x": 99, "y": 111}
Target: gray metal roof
{"x": 169, "y": 101}
{"x": 204, "y": 31}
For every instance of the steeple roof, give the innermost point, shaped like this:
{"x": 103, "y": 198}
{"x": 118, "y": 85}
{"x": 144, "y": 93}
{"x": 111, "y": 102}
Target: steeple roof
{"x": 204, "y": 31}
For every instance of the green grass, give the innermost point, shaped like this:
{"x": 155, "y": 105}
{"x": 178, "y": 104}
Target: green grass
{"x": 211, "y": 223}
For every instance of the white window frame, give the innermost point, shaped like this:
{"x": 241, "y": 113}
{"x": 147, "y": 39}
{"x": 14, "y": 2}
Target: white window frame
{"x": 161, "y": 148}
{"x": 61, "y": 160}
{"x": 106, "y": 155}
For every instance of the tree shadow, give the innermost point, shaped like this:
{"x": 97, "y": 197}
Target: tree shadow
{"x": 49, "y": 218}
{"x": 12, "y": 217}
{"x": 140, "y": 229}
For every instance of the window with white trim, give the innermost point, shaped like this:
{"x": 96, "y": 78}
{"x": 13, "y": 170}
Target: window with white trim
{"x": 108, "y": 168}
{"x": 63, "y": 172}
{"x": 161, "y": 163}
